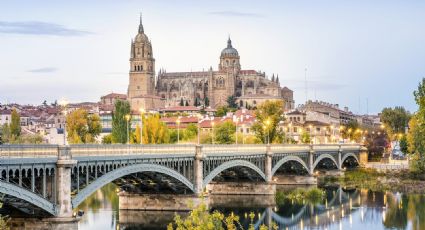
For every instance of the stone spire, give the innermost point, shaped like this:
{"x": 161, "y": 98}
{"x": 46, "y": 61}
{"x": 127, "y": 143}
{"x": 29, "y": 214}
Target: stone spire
{"x": 273, "y": 78}
{"x": 277, "y": 79}
{"x": 141, "y": 31}
{"x": 229, "y": 43}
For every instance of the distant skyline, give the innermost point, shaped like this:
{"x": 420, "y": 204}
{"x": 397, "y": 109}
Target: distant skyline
{"x": 355, "y": 52}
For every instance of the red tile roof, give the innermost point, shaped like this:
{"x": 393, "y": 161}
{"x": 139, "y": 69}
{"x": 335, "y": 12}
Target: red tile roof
{"x": 180, "y": 109}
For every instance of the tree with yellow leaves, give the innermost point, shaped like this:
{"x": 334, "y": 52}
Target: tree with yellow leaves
{"x": 82, "y": 127}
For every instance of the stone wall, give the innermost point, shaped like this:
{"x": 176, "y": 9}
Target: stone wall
{"x": 241, "y": 188}
{"x": 166, "y": 202}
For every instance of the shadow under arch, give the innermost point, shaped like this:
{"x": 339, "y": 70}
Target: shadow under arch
{"x": 287, "y": 159}
{"x": 28, "y": 196}
{"x": 231, "y": 164}
{"x": 325, "y": 156}
{"x": 347, "y": 155}
{"x": 120, "y": 172}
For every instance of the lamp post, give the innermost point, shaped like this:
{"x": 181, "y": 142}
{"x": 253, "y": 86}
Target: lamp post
{"x": 290, "y": 132}
{"x": 127, "y": 118}
{"x": 63, "y": 103}
{"x": 310, "y": 127}
{"x": 212, "y": 127}
{"x": 264, "y": 128}
{"x": 236, "y": 131}
{"x": 199, "y": 124}
{"x": 178, "y": 130}
{"x": 142, "y": 111}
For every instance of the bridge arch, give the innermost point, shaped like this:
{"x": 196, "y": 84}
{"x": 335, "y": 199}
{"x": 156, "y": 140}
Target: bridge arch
{"x": 287, "y": 159}
{"x": 324, "y": 156}
{"x": 28, "y": 196}
{"x": 347, "y": 155}
{"x": 231, "y": 164}
{"x": 123, "y": 171}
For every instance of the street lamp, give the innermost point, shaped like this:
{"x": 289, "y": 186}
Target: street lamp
{"x": 142, "y": 111}
{"x": 178, "y": 130}
{"x": 290, "y": 132}
{"x": 268, "y": 130}
{"x": 63, "y": 103}
{"x": 127, "y": 118}
{"x": 264, "y": 128}
{"x": 212, "y": 127}
{"x": 199, "y": 124}
{"x": 310, "y": 127}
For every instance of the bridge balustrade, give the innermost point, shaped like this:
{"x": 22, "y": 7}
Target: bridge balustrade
{"x": 121, "y": 149}
{"x": 234, "y": 149}
{"x": 28, "y": 151}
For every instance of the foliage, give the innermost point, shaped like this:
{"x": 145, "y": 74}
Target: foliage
{"x": 305, "y": 137}
{"x": 231, "y": 102}
{"x": 221, "y": 111}
{"x": 376, "y": 143}
{"x": 15, "y": 124}
{"x": 107, "y": 139}
{"x": 181, "y": 102}
{"x": 207, "y": 102}
{"x": 403, "y": 144}
{"x": 154, "y": 130}
{"x": 416, "y": 135}
{"x": 82, "y": 127}
{"x": 251, "y": 139}
{"x": 201, "y": 219}
{"x": 119, "y": 123}
{"x": 224, "y": 133}
{"x": 268, "y": 115}
{"x": 190, "y": 132}
{"x": 395, "y": 120}
{"x": 3, "y": 220}
{"x": 309, "y": 195}
{"x": 186, "y": 104}
{"x": 352, "y": 131}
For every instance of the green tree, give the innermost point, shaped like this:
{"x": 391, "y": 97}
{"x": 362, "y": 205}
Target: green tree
{"x": 416, "y": 135}
{"x": 231, "y": 102}
{"x": 403, "y": 144}
{"x": 15, "y": 124}
{"x": 352, "y": 131}
{"x": 268, "y": 115}
{"x": 395, "y": 120}
{"x": 119, "y": 122}
{"x": 221, "y": 111}
{"x": 207, "y": 102}
{"x": 107, "y": 139}
{"x": 3, "y": 220}
{"x": 190, "y": 132}
{"x": 186, "y": 104}
{"x": 224, "y": 133}
{"x": 82, "y": 127}
{"x": 305, "y": 138}
{"x": 181, "y": 102}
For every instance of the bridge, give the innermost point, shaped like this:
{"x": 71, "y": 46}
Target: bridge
{"x": 56, "y": 179}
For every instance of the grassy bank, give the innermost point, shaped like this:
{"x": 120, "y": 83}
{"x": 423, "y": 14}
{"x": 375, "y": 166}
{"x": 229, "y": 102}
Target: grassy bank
{"x": 401, "y": 181}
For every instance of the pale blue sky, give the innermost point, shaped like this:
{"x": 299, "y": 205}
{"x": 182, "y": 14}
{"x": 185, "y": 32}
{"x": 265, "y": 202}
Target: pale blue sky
{"x": 79, "y": 50}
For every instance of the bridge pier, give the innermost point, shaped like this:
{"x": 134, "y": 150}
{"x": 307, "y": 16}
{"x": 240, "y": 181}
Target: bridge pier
{"x": 198, "y": 170}
{"x": 63, "y": 183}
{"x": 268, "y": 164}
{"x": 363, "y": 156}
{"x": 339, "y": 158}
{"x": 311, "y": 160}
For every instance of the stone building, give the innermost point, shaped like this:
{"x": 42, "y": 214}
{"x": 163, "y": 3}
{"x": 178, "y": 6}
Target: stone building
{"x": 209, "y": 88}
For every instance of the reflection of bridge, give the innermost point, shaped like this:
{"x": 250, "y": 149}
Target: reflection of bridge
{"x": 57, "y": 179}
{"x": 314, "y": 215}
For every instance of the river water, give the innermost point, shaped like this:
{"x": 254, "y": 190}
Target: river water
{"x": 342, "y": 209}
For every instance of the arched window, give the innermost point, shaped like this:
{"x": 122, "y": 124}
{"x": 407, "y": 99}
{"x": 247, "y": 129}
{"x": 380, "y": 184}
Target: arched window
{"x": 220, "y": 82}
{"x": 227, "y": 62}
{"x": 135, "y": 68}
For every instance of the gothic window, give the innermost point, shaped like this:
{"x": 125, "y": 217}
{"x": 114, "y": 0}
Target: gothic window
{"x": 234, "y": 61}
{"x": 141, "y": 68}
{"x": 220, "y": 82}
{"x": 227, "y": 62}
{"x": 241, "y": 103}
{"x": 135, "y": 68}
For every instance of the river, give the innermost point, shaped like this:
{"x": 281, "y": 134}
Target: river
{"x": 342, "y": 209}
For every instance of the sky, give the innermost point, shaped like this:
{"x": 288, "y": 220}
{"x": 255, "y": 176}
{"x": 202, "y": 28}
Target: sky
{"x": 362, "y": 54}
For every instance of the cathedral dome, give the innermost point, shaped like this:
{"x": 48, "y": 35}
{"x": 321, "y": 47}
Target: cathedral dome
{"x": 229, "y": 50}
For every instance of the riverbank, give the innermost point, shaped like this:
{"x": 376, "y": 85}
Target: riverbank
{"x": 396, "y": 181}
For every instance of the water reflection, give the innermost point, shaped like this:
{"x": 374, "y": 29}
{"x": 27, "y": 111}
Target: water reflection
{"x": 341, "y": 209}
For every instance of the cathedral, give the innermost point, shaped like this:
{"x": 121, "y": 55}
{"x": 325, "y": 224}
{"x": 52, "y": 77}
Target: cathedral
{"x": 210, "y": 88}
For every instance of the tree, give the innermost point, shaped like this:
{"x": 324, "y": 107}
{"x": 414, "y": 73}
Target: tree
{"x": 352, "y": 131}
{"x": 107, "y": 139}
{"x": 231, "y": 102}
{"x": 82, "y": 127}
{"x": 416, "y": 135}
{"x": 221, "y": 111}
{"x": 224, "y": 133}
{"x": 44, "y": 103}
{"x": 403, "y": 144}
{"x": 154, "y": 130}
{"x": 181, "y": 102}
{"x": 207, "y": 102}
{"x": 15, "y": 124}
{"x": 186, "y": 104}
{"x": 268, "y": 115}
{"x": 305, "y": 137}
{"x": 395, "y": 120}
{"x": 119, "y": 122}
{"x": 190, "y": 132}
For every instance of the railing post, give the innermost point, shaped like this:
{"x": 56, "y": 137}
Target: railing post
{"x": 311, "y": 160}
{"x": 63, "y": 182}
{"x": 268, "y": 164}
{"x": 198, "y": 170}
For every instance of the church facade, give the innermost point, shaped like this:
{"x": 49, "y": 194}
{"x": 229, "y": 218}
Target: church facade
{"x": 210, "y": 88}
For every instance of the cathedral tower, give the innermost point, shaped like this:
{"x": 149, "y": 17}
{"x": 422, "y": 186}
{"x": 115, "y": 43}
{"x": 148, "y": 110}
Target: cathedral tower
{"x": 229, "y": 59}
{"x": 142, "y": 66}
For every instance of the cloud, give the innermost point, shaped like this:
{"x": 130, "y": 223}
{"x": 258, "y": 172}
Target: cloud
{"x": 39, "y": 28}
{"x": 230, "y": 13}
{"x": 43, "y": 70}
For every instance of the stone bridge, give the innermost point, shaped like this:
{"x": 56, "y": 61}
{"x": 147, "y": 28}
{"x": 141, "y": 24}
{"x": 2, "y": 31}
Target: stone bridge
{"x": 56, "y": 179}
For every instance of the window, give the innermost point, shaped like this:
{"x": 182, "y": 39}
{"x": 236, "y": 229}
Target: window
{"x": 298, "y": 118}
{"x": 295, "y": 129}
{"x": 318, "y": 129}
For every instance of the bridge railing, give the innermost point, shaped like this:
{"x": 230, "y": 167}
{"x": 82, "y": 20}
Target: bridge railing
{"x": 122, "y": 149}
{"x": 29, "y": 151}
{"x": 289, "y": 148}
{"x": 234, "y": 149}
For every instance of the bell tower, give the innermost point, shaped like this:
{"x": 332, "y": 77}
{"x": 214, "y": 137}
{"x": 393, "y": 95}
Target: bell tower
{"x": 142, "y": 66}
